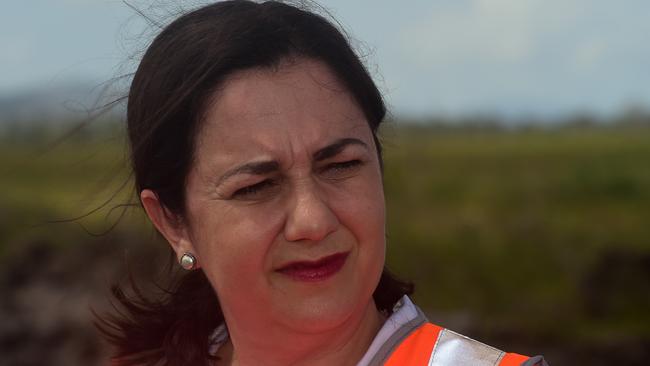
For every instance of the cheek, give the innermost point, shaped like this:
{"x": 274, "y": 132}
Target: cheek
{"x": 361, "y": 211}
{"x": 233, "y": 245}
{"x": 362, "y": 205}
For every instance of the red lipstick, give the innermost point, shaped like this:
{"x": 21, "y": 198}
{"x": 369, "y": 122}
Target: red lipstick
{"x": 313, "y": 271}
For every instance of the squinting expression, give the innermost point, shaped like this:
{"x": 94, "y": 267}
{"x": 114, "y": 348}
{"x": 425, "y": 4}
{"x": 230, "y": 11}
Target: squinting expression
{"x": 285, "y": 200}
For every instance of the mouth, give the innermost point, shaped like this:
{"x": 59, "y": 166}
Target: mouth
{"x": 314, "y": 271}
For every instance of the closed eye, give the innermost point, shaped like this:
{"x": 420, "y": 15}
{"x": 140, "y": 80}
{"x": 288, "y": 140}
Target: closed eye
{"x": 344, "y": 166}
{"x": 254, "y": 189}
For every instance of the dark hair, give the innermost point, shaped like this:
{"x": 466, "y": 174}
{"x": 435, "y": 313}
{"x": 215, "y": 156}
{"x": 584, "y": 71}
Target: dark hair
{"x": 179, "y": 72}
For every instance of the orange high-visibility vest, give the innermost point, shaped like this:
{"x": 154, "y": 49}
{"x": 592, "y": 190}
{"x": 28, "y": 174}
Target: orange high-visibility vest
{"x": 431, "y": 345}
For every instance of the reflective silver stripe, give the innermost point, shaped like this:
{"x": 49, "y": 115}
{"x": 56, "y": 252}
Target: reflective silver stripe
{"x": 453, "y": 349}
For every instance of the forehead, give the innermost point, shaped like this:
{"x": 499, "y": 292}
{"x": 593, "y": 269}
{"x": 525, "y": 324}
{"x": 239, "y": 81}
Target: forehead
{"x": 301, "y": 105}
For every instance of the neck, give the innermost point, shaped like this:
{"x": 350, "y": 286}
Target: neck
{"x": 344, "y": 345}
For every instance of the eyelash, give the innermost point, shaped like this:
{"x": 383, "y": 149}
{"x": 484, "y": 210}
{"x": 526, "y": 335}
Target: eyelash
{"x": 252, "y": 189}
{"x": 255, "y": 188}
{"x": 344, "y": 165}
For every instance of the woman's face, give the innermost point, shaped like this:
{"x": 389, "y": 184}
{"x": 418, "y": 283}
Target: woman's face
{"x": 285, "y": 204}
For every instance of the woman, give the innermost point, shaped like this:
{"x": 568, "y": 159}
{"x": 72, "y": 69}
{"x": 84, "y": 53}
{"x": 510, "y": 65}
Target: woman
{"x": 253, "y": 130}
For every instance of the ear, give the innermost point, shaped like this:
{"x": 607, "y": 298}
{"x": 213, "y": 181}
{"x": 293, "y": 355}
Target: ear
{"x": 168, "y": 224}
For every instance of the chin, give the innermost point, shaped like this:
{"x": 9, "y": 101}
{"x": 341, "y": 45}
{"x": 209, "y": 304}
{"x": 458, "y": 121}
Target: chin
{"x": 327, "y": 310}
{"x": 316, "y": 317}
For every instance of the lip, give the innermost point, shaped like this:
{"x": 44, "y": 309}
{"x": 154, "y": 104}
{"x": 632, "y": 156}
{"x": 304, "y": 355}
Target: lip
{"x": 314, "y": 271}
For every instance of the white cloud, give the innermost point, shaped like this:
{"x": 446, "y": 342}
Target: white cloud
{"x": 16, "y": 50}
{"x": 522, "y": 55}
{"x": 589, "y": 55}
{"x": 497, "y": 30}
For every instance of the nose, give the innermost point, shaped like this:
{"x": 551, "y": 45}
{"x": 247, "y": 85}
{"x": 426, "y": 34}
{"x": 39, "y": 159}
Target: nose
{"x": 309, "y": 216}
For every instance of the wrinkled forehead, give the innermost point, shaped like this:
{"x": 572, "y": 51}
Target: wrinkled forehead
{"x": 263, "y": 109}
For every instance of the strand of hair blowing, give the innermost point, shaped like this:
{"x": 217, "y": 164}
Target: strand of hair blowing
{"x": 173, "y": 330}
{"x": 178, "y": 74}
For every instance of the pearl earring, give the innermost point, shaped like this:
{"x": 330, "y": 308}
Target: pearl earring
{"x": 187, "y": 261}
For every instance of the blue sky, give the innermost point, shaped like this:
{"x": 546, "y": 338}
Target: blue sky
{"x": 451, "y": 57}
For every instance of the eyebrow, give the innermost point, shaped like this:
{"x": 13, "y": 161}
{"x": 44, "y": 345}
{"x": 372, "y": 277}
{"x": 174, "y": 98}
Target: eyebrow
{"x": 265, "y": 167}
{"x": 335, "y": 148}
{"x": 255, "y": 168}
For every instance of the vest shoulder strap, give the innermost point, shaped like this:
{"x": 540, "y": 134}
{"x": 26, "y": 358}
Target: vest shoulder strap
{"x": 417, "y": 347}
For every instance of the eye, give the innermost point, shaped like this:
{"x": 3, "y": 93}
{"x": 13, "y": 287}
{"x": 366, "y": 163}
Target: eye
{"x": 254, "y": 189}
{"x": 343, "y": 167}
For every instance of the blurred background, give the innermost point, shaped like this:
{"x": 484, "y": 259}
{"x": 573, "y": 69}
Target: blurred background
{"x": 517, "y": 169}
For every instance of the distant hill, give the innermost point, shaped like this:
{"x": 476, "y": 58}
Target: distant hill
{"x": 53, "y": 104}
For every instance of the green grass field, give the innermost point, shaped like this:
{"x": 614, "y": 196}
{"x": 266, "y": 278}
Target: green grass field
{"x": 538, "y": 230}
{"x": 536, "y": 238}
